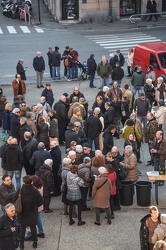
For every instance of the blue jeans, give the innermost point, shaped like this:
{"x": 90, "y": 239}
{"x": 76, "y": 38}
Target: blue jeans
{"x": 69, "y": 73}
{"x": 92, "y": 77}
{"x": 74, "y": 72}
{"x": 143, "y": 119}
{"x": 138, "y": 89}
{"x": 55, "y": 71}
{"x": 104, "y": 82}
{"x": 96, "y": 142}
{"x": 17, "y": 177}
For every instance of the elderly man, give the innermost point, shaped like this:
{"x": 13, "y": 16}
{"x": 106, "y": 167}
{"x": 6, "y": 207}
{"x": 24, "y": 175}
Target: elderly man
{"x": 117, "y": 74}
{"x": 9, "y": 229}
{"x": 104, "y": 69}
{"x": 115, "y": 91}
{"x": 137, "y": 81}
{"x": 39, "y": 67}
{"x": 77, "y": 93}
{"x": 130, "y": 164}
{"x": 41, "y": 112}
{"x": 80, "y": 132}
{"x": 71, "y": 135}
{"x": 45, "y": 104}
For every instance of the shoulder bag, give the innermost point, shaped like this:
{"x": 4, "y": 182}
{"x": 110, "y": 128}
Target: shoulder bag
{"x": 102, "y": 184}
{"x": 18, "y": 204}
{"x": 122, "y": 173}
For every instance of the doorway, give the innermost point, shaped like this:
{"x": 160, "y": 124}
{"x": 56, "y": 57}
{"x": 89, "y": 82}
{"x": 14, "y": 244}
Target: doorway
{"x": 70, "y": 9}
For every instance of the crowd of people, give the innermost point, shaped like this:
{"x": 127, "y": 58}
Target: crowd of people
{"x": 33, "y": 137}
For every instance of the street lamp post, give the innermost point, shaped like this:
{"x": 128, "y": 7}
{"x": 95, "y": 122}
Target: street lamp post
{"x": 110, "y": 12}
{"x": 39, "y": 11}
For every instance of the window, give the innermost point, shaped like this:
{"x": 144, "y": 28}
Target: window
{"x": 162, "y": 58}
{"x": 153, "y": 61}
{"x": 84, "y": 1}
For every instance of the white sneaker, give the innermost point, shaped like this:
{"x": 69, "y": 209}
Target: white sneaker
{"x": 68, "y": 80}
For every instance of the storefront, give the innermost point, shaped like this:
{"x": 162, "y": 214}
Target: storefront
{"x": 70, "y": 9}
{"x": 130, "y": 7}
{"x": 164, "y": 6}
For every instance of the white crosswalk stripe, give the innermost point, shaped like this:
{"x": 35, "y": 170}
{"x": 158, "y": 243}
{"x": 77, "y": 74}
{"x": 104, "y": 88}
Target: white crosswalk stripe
{"x": 20, "y": 29}
{"x": 121, "y": 41}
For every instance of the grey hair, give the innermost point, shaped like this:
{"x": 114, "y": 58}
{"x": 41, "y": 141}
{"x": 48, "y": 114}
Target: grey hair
{"x": 160, "y": 79}
{"x": 129, "y": 147}
{"x": 48, "y": 162}
{"x": 23, "y": 119}
{"x": 15, "y": 110}
{"x": 42, "y": 98}
{"x": 54, "y": 143}
{"x": 97, "y": 109}
{"x": 98, "y": 152}
{"x": 111, "y": 55}
{"x": 79, "y": 149}
{"x": 114, "y": 147}
{"x": 71, "y": 152}
{"x": 66, "y": 161}
{"x": 78, "y": 124}
{"x": 41, "y": 145}
{"x": 148, "y": 80}
{"x": 63, "y": 97}
{"x": 86, "y": 160}
{"x": 105, "y": 88}
{"x": 9, "y": 205}
{"x": 132, "y": 115}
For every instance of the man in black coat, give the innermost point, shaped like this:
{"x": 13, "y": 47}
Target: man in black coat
{"x": 56, "y": 62}
{"x": 13, "y": 160}
{"x": 71, "y": 135}
{"x": 28, "y": 150}
{"x": 77, "y": 93}
{"x": 57, "y": 161}
{"x": 7, "y": 192}
{"x": 39, "y": 67}
{"x": 93, "y": 128}
{"x": 38, "y": 158}
{"x": 61, "y": 110}
{"x": 91, "y": 63}
{"x": 48, "y": 94}
{"x": 9, "y": 229}
{"x": 109, "y": 115}
{"x": 108, "y": 142}
{"x": 117, "y": 74}
{"x": 50, "y": 60}
{"x": 119, "y": 58}
{"x": 80, "y": 132}
{"x": 23, "y": 128}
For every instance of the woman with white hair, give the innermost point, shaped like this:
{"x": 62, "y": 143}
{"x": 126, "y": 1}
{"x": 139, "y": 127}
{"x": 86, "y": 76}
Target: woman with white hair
{"x": 149, "y": 91}
{"x": 160, "y": 89}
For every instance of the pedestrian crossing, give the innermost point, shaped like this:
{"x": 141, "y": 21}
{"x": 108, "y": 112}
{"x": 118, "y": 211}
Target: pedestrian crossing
{"x": 123, "y": 41}
{"x": 20, "y": 29}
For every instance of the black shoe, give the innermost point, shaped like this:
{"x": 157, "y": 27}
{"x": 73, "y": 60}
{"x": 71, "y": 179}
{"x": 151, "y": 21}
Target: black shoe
{"x": 93, "y": 87}
{"x": 28, "y": 239}
{"x": 21, "y": 247}
{"x": 34, "y": 244}
{"x": 97, "y": 223}
{"x": 86, "y": 209}
{"x": 139, "y": 161}
{"x": 149, "y": 161}
{"x": 42, "y": 86}
{"x": 149, "y": 164}
{"x": 48, "y": 211}
{"x": 109, "y": 222}
{"x": 81, "y": 223}
{"x": 41, "y": 235}
{"x": 38, "y": 86}
{"x": 116, "y": 208}
{"x": 112, "y": 216}
{"x": 71, "y": 222}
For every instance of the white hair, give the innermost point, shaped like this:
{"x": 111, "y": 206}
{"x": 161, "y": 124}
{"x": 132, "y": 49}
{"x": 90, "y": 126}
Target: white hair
{"x": 79, "y": 149}
{"x": 48, "y": 162}
{"x": 98, "y": 153}
{"x": 148, "y": 80}
{"x": 71, "y": 152}
{"x": 129, "y": 147}
{"x": 160, "y": 79}
{"x": 105, "y": 88}
{"x": 15, "y": 110}
{"x": 54, "y": 143}
{"x": 66, "y": 161}
{"x": 111, "y": 55}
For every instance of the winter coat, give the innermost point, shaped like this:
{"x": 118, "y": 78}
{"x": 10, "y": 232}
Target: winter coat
{"x": 15, "y": 85}
{"x": 6, "y": 125}
{"x": 71, "y": 135}
{"x": 119, "y": 59}
{"x": 32, "y": 125}
{"x": 61, "y": 111}
{"x": 28, "y": 150}
{"x": 14, "y": 125}
{"x": 160, "y": 92}
{"x": 65, "y": 171}
{"x": 117, "y": 74}
{"x": 149, "y": 92}
{"x": 74, "y": 182}
{"x": 108, "y": 141}
{"x": 109, "y": 117}
{"x": 112, "y": 176}
{"x": 31, "y": 199}
{"x": 162, "y": 149}
{"x": 101, "y": 196}
{"x": 112, "y": 92}
{"x": 152, "y": 75}
{"x": 2, "y": 150}
{"x": 7, "y": 193}
{"x": 132, "y": 130}
{"x": 39, "y": 157}
{"x": 13, "y": 158}
{"x": 138, "y": 79}
{"x": 129, "y": 96}
{"x": 130, "y": 165}
{"x": 9, "y": 240}
{"x": 104, "y": 70}
{"x": 92, "y": 126}
{"x": 150, "y": 130}
{"x": 160, "y": 115}
{"x": 84, "y": 173}
{"x": 91, "y": 63}
{"x": 48, "y": 94}
{"x": 142, "y": 106}
{"x": 39, "y": 64}
{"x": 46, "y": 176}
{"x": 76, "y": 105}
{"x": 43, "y": 133}
{"x": 21, "y": 71}
{"x": 143, "y": 233}
{"x": 53, "y": 130}
{"x": 101, "y": 106}
{"x": 56, "y": 58}
{"x": 159, "y": 233}
{"x": 23, "y": 128}
{"x": 79, "y": 95}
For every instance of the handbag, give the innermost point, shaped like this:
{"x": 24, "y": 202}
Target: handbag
{"x": 123, "y": 112}
{"x": 18, "y": 204}
{"x": 73, "y": 195}
{"x": 122, "y": 173}
{"x": 4, "y": 136}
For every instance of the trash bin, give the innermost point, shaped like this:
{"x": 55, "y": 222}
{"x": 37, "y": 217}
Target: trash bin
{"x": 143, "y": 190}
{"x": 126, "y": 193}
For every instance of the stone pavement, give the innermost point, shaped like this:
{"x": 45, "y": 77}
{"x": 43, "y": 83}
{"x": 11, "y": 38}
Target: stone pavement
{"x": 123, "y": 233}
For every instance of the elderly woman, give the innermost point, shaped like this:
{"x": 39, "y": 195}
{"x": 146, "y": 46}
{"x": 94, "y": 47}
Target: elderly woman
{"x": 160, "y": 89}
{"x": 130, "y": 164}
{"x": 149, "y": 91}
{"x": 160, "y": 114}
{"x": 66, "y": 164}
{"x": 101, "y": 192}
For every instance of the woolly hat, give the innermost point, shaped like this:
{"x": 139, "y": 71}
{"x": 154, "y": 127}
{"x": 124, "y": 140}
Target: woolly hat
{"x": 86, "y": 145}
{"x": 163, "y": 218}
{"x": 56, "y": 48}
{"x": 102, "y": 170}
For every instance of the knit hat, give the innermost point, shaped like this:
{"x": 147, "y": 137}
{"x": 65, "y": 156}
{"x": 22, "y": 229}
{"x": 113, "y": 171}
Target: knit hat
{"x": 70, "y": 125}
{"x": 67, "y": 47}
{"x": 56, "y": 48}
{"x": 86, "y": 145}
{"x": 102, "y": 170}
{"x": 163, "y": 218}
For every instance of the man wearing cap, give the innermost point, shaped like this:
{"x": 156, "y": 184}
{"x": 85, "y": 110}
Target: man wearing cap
{"x": 50, "y": 60}
{"x": 91, "y": 63}
{"x": 87, "y": 152}
{"x": 48, "y": 94}
{"x": 56, "y": 61}
{"x": 104, "y": 69}
{"x": 137, "y": 81}
{"x": 39, "y": 67}
{"x": 71, "y": 135}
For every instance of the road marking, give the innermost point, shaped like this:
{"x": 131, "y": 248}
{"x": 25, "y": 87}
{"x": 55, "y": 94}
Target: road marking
{"x": 1, "y": 32}
{"x": 25, "y": 29}
{"x": 39, "y": 30}
{"x": 11, "y": 29}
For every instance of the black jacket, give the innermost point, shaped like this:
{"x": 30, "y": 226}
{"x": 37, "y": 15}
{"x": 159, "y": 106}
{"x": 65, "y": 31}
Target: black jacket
{"x": 48, "y": 94}
{"x": 14, "y": 125}
{"x": 9, "y": 240}
{"x": 92, "y": 126}
{"x": 108, "y": 142}
{"x": 117, "y": 73}
{"x": 79, "y": 95}
{"x": 31, "y": 199}
{"x": 56, "y": 58}
{"x": 13, "y": 158}
{"x": 61, "y": 111}
{"x": 109, "y": 116}
{"x": 91, "y": 63}
{"x": 149, "y": 92}
{"x": 46, "y": 176}
{"x": 7, "y": 194}
{"x": 121, "y": 59}
{"x": 71, "y": 135}
{"x": 39, "y": 157}
{"x": 43, "y": 133}
{"x": 20, "y": 70}
{"x": 39, "y": 64}
{"x": 29, "y": 149}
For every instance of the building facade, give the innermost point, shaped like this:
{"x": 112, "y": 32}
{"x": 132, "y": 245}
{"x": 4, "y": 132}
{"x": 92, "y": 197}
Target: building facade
{"x": 98, "y": 10}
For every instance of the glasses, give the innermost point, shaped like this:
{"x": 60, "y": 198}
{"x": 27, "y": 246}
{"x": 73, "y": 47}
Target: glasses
{"x": 85, "y": 148}
{"x": 74, "y": 145}
{"x": 76, "y": 126}
{"x": 23, "y": 105}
